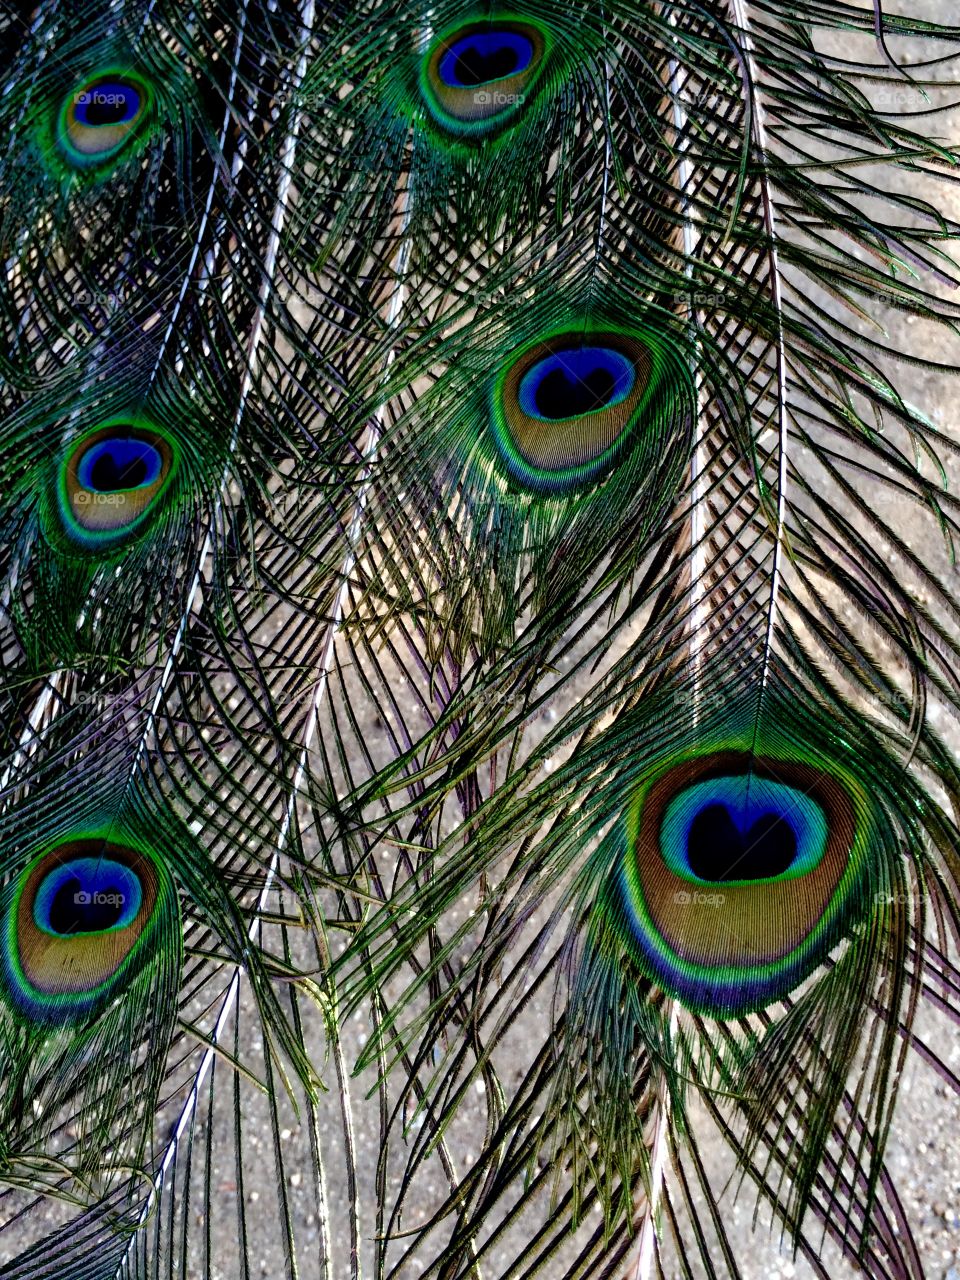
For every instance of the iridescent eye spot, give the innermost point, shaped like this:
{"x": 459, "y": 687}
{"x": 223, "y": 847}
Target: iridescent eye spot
{"x": 81, "y": 919}
{"x": 738, "y": 874}
{"x": 112, "y": 480}
{"x": 478, "y": 76}
{"x": 564, "y": 409}
{"x": 100, "y": 116}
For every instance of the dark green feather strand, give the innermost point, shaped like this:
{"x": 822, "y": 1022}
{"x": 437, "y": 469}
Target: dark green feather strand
{"x": 457, "y": 585}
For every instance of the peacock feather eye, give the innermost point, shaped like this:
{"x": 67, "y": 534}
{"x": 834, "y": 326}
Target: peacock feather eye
{"x": 81, "y": 921}
{"x": 564, "y": 408}
{"x": 100, "y": 117}
{"x": 477, "y": 76}
{"x": 738, "y": 876}
{"x": 111, "y": 480}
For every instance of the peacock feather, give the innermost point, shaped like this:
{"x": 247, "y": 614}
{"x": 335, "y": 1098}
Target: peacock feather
{"x": 479, "y": 657}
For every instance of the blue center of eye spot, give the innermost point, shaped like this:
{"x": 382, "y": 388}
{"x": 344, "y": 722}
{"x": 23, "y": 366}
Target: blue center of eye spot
{"x": 575, "y": 381}
{"x": 732, "y": 844}
{"x": 742, "y": 829}
{"x": 483, "y": 57}
{"x": 106, "y": 102}
{"x": 119, "y": 463}
{"x": 87, "y": 895}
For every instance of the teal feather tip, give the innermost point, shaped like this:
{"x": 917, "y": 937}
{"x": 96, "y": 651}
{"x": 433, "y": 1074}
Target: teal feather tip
{"x": 101, "y": 116}
{"x": 477, "y": 76}
{"x": 738, "y": 874}
{"x": 111, "y": 483}
{"x": 565, "y": 409}
{"x": 81, "y": 921}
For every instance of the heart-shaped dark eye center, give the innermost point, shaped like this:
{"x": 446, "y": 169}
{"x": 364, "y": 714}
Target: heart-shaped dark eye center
{"x": 564, "y": 394}
{"x": 76, "y": 910}
{"x": 119, "y": 462}
{"x": 114, "y": 470}
{"x": 475, "y": 65}
{"x": 718, "y": 850}
{"x": 484, "y": 57}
